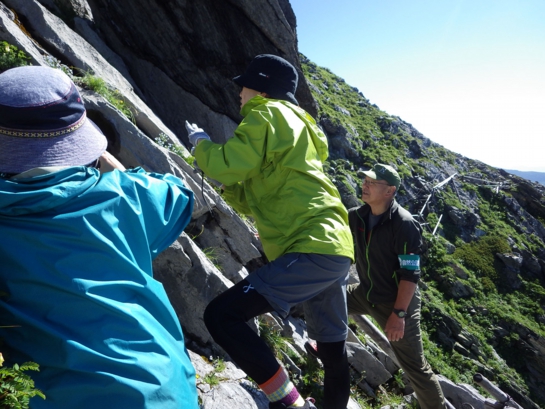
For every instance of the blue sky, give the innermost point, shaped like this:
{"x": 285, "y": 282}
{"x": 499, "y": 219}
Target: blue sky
{"x": 468, "y": 74}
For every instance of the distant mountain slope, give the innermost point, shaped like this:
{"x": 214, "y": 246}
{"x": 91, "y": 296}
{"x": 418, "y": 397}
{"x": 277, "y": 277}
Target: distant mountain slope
{"x": 484, "y": 228}
{"x": 531, "y": 176}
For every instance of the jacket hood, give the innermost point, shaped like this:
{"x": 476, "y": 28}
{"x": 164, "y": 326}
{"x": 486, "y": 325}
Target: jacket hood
{"x": 317, "y": 136}
{"x": 41, "y": 193}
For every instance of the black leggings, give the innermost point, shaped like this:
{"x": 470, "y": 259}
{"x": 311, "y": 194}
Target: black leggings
{"x": 226, "y": 317}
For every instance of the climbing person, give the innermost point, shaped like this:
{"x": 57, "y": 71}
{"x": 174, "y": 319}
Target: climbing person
{"x": 272, "y": 170}
{"x": 77, "y": 294}
{"x": 388, "y": 244}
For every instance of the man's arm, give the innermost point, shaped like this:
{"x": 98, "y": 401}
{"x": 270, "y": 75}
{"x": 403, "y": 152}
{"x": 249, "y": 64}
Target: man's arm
{"x": 408, "y": 248}
{"x": 395, "y": 326}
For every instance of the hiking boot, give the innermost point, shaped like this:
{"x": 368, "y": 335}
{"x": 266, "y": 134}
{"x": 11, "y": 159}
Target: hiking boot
{"x": 309, "y": 404}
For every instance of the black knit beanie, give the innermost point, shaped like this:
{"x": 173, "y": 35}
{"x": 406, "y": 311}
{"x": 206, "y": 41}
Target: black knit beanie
{"x": 271, "y": 74}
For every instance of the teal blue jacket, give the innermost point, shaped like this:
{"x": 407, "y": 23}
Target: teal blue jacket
{"x": 76, "y": 251}
{"x": 273, "y": 171}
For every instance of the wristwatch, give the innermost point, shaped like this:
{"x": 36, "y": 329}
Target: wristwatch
{"x": 400, "y": 313}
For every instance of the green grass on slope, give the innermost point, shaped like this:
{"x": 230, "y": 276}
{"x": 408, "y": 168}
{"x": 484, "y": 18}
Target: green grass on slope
{"x": 377, "y": 136}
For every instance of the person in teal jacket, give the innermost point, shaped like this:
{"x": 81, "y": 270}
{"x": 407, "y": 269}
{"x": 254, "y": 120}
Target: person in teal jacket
{"x": 272, "y": 170}
{"x": 76, "y": 248}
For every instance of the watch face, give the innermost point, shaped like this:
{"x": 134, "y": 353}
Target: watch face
{"x": 400, "y": 313}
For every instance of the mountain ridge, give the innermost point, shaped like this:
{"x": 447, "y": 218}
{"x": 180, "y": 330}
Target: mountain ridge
{"x": 532, "y": 176}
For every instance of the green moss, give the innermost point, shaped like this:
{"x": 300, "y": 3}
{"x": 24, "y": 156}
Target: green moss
{"x": 11, "y": 57}
{"x": 479, "y": 256}
{"x": 162, "y": 140}
{"x": 113, "y": 96}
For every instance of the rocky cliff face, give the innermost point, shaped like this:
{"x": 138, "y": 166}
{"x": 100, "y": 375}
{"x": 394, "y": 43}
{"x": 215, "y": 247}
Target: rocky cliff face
{"x": 172, "y": 61}
{"x": 180, "y": 56}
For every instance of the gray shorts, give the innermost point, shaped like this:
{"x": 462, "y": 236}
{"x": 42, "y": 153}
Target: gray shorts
{"x": 316, "y": 280}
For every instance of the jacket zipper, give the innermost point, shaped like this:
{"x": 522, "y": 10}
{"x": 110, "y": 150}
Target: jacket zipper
{"x": 367, "y": 243}
{"x": 368, "y": 263}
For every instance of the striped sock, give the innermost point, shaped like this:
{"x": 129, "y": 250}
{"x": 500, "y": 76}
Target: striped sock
{"x": 280, "y": 389}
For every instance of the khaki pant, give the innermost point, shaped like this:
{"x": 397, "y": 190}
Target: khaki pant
{"x": 409, "y": 351}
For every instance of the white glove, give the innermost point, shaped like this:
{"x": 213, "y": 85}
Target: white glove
{"x": 195, "y": 133}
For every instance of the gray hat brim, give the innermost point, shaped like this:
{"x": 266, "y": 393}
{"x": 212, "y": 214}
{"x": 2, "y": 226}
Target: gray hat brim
{"x": 78, "y": 148}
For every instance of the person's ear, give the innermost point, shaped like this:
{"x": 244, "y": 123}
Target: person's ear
{"x": 264, "y": 95}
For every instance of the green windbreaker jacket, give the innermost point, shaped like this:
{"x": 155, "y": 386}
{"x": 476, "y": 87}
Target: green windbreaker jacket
{"x": 272, "y": 170}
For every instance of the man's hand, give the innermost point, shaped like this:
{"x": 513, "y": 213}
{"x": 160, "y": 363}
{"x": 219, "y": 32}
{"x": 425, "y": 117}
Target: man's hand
{"x": 395, "y": 327}
{"x": 195, "y": 133}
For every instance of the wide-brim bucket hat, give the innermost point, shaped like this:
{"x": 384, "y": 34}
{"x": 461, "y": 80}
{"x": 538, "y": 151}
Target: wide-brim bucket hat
{"x": 271, "y": 74}
{"x": 43, "y": 121}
